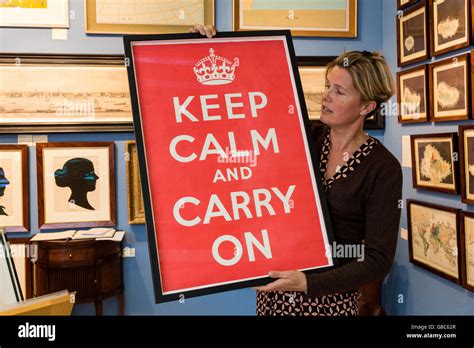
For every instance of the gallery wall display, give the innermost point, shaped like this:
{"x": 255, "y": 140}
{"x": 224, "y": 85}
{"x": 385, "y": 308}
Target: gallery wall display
{"x": 136, "y": 209}
{"x": 336, "y": 18}
{"x": 466, "y": 159}
{"x": 450, "y": 91}
{"x": 34, "y": 13}
{"x": 10, "y": 291}
{"x": 433, "y": 238}
{"x": 412, "y": 95}
{"x": 450, "y": 25}
{"x": 197, "y": 146}
{"x": 433, "y": 164}
{"x": 412, "y": 35}
{"x": 467, "y": 249}
{"x": 14, "y": 207}
{"x": 64, "y": 93}
{"x": 403, "y": 4}
{"x": 76, "y": 184}
{"x": 146, "y": 17}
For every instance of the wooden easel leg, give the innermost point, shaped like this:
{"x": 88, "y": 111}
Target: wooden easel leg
{"x": 99, "y": 308}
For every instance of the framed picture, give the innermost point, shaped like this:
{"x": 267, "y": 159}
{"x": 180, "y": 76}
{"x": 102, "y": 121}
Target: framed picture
{"x": 433, "y": 239}
{"x": 412, "y": 35}
{"x": 466, "y": 159}
{"x": 412, "y": 95}
{"x": 434, "y": 166}
{"x": 14, "y": 207}
{"x": 450, "y": 95}
{"x": 336, "y": 18}
{"x": 136, "y": 209}
{"x": 467, "y": 249}
{"x": 312, "y": 72}
{"x": 146, "y": 17}
{"x": 450, "y": 25}
{"x": 64, "y": 93}
{"x": 10, "y": 291}
{"x": 403, "y": 4}
{"x": 76, "y": 184}
{"x": 34, "y": 13}
{"x": 197, "y": 160}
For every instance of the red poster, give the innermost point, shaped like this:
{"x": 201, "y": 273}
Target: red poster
{"x": 228, "y": 180}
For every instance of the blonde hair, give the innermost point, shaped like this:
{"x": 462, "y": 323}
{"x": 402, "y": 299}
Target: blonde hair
{"x": 370, "y": 74}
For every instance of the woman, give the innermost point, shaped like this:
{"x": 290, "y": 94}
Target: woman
{"x": 362, "y": 181}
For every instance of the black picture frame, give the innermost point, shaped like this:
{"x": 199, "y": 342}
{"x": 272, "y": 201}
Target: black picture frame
{"x": 139, "y": 137}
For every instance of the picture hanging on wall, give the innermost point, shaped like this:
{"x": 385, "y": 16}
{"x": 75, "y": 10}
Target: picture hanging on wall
{"x": 450, "y": 25}
{"x": 434, "y": 166}
{"x": 146, "y": 17}
{"x": 449, "y": 87}
{"x": 34, "y": 13}
{"x": 313, "y": 78}
{"x": 412, "y": 95}
{"x": 467, "y": 249}
{"x": 412, "y": 35}
{"x": 64, "y": 93}
{"x": 136, "y": 209}
{"x": 76, "y": 184}
{"x": 336, "y": 18}
{"x": 466, "y": 159}
{"x": 14, "y": 212}
{"x": 403, "y": 4}
{"x": 433, "y": 239}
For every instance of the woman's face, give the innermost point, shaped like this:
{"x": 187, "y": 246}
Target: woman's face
{"x": 341, "y": 101}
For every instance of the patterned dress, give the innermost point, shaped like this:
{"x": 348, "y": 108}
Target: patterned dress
{"x": 296, "y": 303}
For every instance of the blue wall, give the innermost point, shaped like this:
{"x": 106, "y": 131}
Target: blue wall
{"x": 421, "y": 292}
{"x": 138, "y": 285}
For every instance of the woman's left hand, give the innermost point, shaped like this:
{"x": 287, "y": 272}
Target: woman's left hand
{"x": 287, "y": 281}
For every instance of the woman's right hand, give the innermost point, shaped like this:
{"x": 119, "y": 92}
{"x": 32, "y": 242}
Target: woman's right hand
{"x": 205, "y": 30}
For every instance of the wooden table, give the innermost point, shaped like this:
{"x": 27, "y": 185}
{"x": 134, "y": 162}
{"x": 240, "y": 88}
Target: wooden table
{"x": 93, "y": 269}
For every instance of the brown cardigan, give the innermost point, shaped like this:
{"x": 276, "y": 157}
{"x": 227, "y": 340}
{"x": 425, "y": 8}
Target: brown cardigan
{"x": 363, "y": 207}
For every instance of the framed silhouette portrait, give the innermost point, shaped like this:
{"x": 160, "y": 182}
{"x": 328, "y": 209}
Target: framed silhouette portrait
{"x": 14, "y": 213}
{"x": 76, "y": 184}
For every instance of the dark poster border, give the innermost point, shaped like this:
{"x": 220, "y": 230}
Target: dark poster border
{"x": 150, "y": 226}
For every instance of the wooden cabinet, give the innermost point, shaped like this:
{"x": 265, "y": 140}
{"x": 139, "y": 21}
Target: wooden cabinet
{"x": 93, "y": 269}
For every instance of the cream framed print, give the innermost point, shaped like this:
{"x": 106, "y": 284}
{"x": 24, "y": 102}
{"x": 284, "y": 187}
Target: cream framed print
{"x": 34, "y": 13}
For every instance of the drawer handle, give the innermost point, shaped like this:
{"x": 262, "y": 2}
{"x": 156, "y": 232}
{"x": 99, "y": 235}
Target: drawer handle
{"x": 70, "y": 256}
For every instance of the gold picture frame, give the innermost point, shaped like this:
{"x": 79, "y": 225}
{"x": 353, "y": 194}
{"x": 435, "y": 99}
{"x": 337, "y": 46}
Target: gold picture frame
{"x": 136, "y": 209}
{"x": 192, "y": 13}
{"x": 340, "y": 20}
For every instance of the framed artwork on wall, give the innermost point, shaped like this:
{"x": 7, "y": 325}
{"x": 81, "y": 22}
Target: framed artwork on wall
{"x": 34, "y": 13}
{"x": 450, "y": 92}
{"x": 412, "y": 95}
{"x": 412, "y": 35}
{"x": 336, "y": 18}
{"x": 76, "y": 184}
{"x": 14, "y": 207}
{"x": 403, "y": 4}
{"x": 467, "y": 249}
{"x": 450, "y": 25}
{"x": 433, "y": 239}
{"x": 146, "y": 17}
{"x": 434, "y": 166}
{"x": 466, "y": 159}
{"x": 64, "y": 93}
{"x": 136, "y": 209}
{"x": 313, "y": 79}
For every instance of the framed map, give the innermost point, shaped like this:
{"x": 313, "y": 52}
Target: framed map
{"x": 64, "y": 93}
{"x": 335, "y": 18}
{"x": 450, "y": 89}
{"x": 34, "y": 13}
{"x": 467, "y": 249}
{"x": 403, "y": 4}
{"x": 466, "y": 159}
{"x": 146, "y": 17}
{"x": 433, "y": 239}
{"x": 433, "y": 164}
{"x": 412, "y": 35}
{"x": 412, "y": 96}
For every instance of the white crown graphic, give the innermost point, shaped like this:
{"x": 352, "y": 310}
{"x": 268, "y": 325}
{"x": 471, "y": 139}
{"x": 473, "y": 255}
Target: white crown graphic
{"x": 215, "y": 70}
